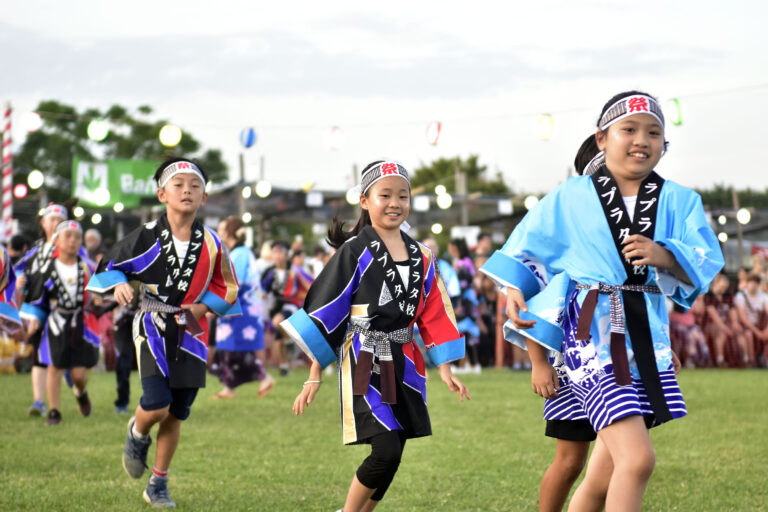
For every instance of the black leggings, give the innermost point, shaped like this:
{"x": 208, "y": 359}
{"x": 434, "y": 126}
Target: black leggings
{"x": 379, "y": 468}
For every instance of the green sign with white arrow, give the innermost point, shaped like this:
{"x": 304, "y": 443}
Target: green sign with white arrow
{"x": 113, "y": 181}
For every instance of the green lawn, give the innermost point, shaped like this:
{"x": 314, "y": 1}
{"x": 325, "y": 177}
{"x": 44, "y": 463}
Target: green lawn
{"x": 487, "y": 454}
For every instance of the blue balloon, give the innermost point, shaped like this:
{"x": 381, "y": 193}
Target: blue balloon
{"x": 248, "y": 137}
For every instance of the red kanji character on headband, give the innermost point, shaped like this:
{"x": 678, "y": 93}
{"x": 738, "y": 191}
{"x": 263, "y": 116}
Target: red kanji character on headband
{"x": 638, "y": 104}
{"x": 388, "y": 168}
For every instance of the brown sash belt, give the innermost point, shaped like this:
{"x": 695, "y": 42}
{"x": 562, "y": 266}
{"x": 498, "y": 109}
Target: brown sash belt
{"x": 618, "y": 344}
{"x": 379, "y": 342}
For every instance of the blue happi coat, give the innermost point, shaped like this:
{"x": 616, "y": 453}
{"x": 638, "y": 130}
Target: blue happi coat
{"x": 565, "y": 240}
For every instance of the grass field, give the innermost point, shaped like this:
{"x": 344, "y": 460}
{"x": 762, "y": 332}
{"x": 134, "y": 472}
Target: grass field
{"x": 487, "y": 454}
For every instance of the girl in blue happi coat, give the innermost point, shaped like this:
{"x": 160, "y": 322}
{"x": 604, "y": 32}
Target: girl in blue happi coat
{"x": 606, "y": 248}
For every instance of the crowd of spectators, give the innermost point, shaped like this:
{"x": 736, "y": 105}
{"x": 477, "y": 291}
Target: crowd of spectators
{"x": 727, "y": 327}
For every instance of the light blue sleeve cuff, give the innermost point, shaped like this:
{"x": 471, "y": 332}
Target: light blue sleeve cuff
{"x": 669, "y": 284}
{"x": 682, "y": 293}
{"x": 9, "y": 314}
{"x": 30, "y": 311}
{"x": 506, "y": 271}
{"x": 546, "y": 334}
{"x": 220, "y": 306}
{"x": 448, "y": 351}
{"x": 105, "y": 281}
{"x": 300, "y": 327}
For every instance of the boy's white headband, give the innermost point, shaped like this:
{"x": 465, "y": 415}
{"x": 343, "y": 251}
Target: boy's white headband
{"x": 68, "y": 225}
{"x": 381, "y": 171}
{"x": 629, "y": 106}
{"x": 179, "y": 168}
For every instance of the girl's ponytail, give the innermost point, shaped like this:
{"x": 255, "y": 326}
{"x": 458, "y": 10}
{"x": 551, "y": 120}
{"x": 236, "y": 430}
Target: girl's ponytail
{"x": 336, "y": 234}
{"x": 586, "y": 153}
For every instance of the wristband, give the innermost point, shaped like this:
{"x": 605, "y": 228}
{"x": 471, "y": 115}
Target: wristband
{"x": 311, "y": 382}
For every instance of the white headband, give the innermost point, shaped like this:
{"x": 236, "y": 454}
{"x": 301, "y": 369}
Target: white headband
{"x": 381, "y": 171}
{"x": 179, "y": 168}
{"x": 68, "y": 225}
{"x": 629, "y": 106}
{"x": 55, "y": 210}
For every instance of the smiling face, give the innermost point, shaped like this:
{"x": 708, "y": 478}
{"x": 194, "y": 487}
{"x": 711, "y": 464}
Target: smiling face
{"x": 388, "y": 203}
{"x": 184, "y": 193}
{"x": 633, "y": 146}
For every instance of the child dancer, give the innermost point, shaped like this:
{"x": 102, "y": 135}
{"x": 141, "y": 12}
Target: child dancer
{"x": 465, "y": 306}
{"x": 34, "y": 262}
{"x": 184, "y": 272}
{"x": 285, "y": 286}
{"x": 361, "y": 311}
{"x": 652, "y": 240}
{"x": 58, "y": 301}
{"x": 239, "y": 339}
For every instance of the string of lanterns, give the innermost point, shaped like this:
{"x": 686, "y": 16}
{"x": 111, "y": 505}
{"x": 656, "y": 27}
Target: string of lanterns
{"x": 170, "y": 135}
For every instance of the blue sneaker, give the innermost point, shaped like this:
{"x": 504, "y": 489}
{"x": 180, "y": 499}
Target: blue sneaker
{"x": 156, "y": 493}
{"x": 135, "y": 453}
{"x": 121, "y": 409}
{"x": 36, "y": 409}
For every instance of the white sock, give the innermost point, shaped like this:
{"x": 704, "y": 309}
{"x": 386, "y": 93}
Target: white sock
{"x": 136, "y": 433}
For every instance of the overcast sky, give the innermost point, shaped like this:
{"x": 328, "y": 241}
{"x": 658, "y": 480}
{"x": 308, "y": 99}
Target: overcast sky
{"x": 382, "y": 71}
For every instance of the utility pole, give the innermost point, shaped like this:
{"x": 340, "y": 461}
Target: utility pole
{"x": 739, "y": 233}
{"x": 460, "y": 179}
{"x": 262, "y": 221}
{"x": 239, "y": 188}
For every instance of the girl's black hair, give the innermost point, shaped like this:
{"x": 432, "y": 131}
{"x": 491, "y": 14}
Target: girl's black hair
{"x": 589, "y": 148}
{"x": 173, "y": 160}
{"x": 586, "y": 152}
{"x": 336, "y": 234}
{"x": 461, "y": 246}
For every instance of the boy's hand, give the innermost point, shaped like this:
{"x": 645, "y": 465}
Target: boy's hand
{"x": 123, "y": 294}
{"x": 645, "y": 251}
{"x": 198, "y": 310}
{"x": 452, "y": 382}
{"x": 544, "y": 380}
{"x": 515, "y": 304}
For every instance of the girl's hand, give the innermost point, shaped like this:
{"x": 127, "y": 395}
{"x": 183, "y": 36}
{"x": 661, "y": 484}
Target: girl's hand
{"x": 515, "y": 304}
{"x": 123, "y": 294}
{"x": 21, "y": 281}
{"x": 452, "y": 382}
{"x": 306, "y": 396}
{"x": 645, "y": 251}
{"x": 676, "y": 363}
{"x": 544, "y": 380}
